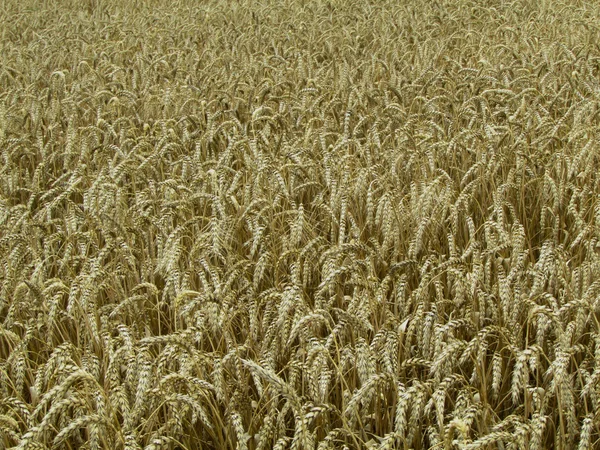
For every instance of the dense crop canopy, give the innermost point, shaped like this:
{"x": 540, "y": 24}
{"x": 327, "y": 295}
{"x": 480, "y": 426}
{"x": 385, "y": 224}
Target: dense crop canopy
{"x": 299, "y": 224}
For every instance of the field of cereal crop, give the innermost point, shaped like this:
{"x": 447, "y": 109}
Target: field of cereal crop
{"x": 323, "y": 224}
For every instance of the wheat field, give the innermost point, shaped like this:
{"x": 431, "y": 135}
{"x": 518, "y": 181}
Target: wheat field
{"x": 319, "y": 224}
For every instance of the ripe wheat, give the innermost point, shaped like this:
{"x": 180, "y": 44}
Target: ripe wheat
{"x": 255, "y": 225}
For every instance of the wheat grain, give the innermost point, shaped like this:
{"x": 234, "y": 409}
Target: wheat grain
{"x": 261, "y": 225}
